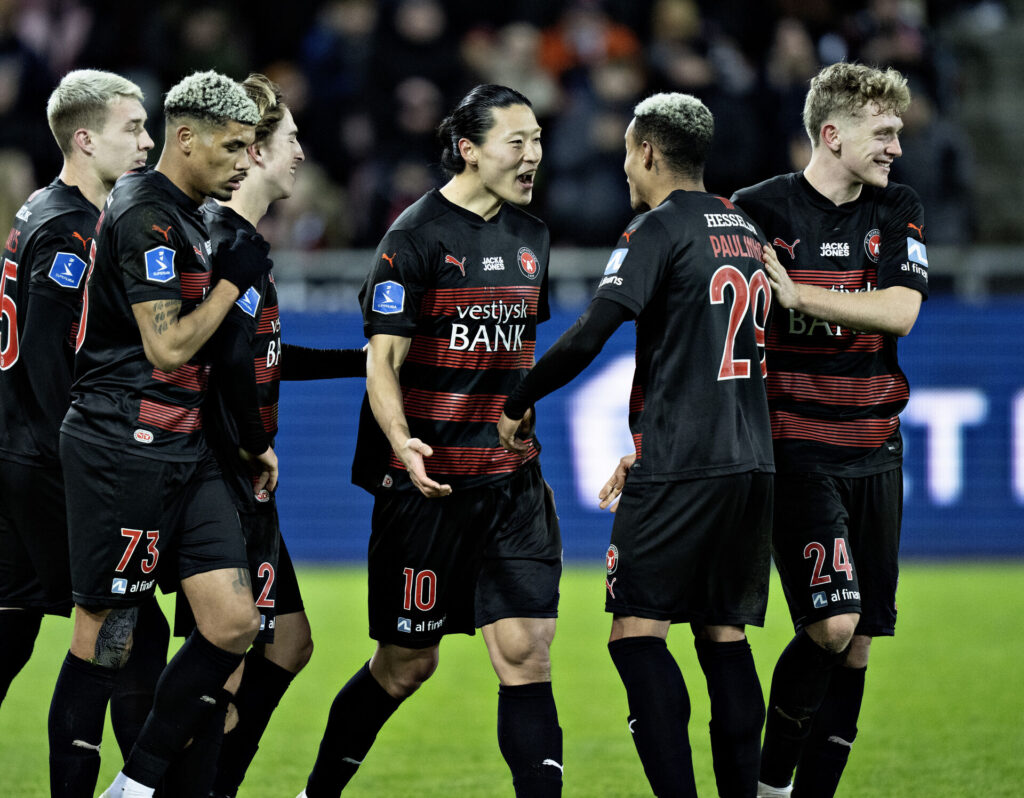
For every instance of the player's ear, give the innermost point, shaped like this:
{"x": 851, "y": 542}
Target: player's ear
{"x": 255, "y": 154}
{"x": 830, "y": 136}
{"x": 468, "y": 151}
{"x": 83, "y": 140}
{"x": 648, "y": 154}
{"x": 185, "y": 136}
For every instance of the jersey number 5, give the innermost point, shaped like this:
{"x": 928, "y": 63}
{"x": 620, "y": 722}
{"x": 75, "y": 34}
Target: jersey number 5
{"x": 8, "y": 314}
{"x": 744, "y": 295}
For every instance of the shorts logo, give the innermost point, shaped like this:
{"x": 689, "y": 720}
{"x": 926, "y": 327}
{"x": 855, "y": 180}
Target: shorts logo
{"x": 263, "y": 621}
{"x": 388, "y": 297}
{"x": 143, "y": 436}
{"x": 404, "y": 624}
{"x": 249, "y": 302}
{"x": 873, "y": 244}
{"x": 67, "y": 270}
{"x": 119, "y": 586}
{"x": 819, "y": 600}
{"x": 160, "y": 264}
{"x": 611, "y": 559}
{"x": 528, "y": 264}
{"x": 615, "y": 261}
{"x": 263, "y": 496}
{"x": 388, "y": 481}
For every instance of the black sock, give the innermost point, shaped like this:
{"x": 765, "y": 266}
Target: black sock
{"x": 530, "y": 738}
{"x": 359, "y": 711}
{"x": 18, "y": 630}
{"x": 832, "y": 735}
{"x": 75, "y": 726}
{"x": 659, "y": 710}
{"x": 737, "y": 715}
{"x": 194, "y": 769}
{"x": 186, "y": 696}
{"x": 135, "y": 683}
{"x": 263, "y": 684}
{"x": 799, "y": 684}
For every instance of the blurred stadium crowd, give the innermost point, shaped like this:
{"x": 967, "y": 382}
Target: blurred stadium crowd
{"x": 369, "y": 80}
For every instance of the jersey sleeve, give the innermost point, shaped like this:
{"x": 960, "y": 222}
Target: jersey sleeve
{"x": 543, "y": 306}
{"x": 636, "y": 266}
{"x": 60, "y": 258}
{"x": 394, "y": 287}
{"x": 231, "y": 353}
{"x": 149, "y": 247}
{"x": 903, "y": 256}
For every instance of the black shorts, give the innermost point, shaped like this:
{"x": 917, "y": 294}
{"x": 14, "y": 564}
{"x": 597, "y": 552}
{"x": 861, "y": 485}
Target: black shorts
{"x": 35, "y": 571}
{"x": 125, "y": 513}
{"x": 692, "y": 551}
{"x": 450, "y": 565}
{"x": 275, "y": 588}
{"x": 836, "y": 542}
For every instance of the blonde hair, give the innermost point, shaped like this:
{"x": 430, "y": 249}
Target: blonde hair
{"x": 210, "y": 97}
{"x": 269, "y": 102}
{"x": 679, "y": 125}
{"x": 844, "y": 89}
{"x": 82, "y": 100}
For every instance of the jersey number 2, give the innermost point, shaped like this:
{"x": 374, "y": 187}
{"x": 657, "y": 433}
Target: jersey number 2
{"x": 744, "y": 295}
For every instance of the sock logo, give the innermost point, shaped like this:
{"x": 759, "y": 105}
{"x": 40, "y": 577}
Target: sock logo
{"x": 554, "y": 764}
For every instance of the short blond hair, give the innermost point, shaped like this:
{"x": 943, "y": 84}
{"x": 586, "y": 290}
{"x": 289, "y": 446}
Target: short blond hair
{"x": 82, "y": 100}
{"x": 679, "y": 125}
{"x": 844, "y": 89}
{"x": 269, "y": 102}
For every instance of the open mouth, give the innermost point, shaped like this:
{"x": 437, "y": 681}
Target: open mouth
{"x": 525, "y": 180}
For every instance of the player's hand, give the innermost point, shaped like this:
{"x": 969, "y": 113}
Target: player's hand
{"x": 245, "y": 261}
{"x": 609, "y": 494}
{"x": 784, "y": 290}
{"x": 507, "y": 429}
{"x": 265, "y": 465}
{"x": 411, "y": 455}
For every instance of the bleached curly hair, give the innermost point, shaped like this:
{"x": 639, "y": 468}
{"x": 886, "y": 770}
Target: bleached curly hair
{"x": 680, "y": 126}
{"x": 844, "y": 90}
{"x": 210, "y": 97}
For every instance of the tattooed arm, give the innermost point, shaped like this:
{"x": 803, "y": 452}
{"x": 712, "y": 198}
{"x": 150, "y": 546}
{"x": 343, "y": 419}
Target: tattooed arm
{"x": 171, "y": 340}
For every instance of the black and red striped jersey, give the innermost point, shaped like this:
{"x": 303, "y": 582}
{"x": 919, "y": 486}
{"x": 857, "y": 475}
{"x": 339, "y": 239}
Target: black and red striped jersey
{"x": 691, "y": 272}
{"x": 469, "y": 293}
{"x": 151, "y": 244}
{"x": 245, "y": 352}
{"x": 45, "y": 260}
{"x": 836, "y": 394}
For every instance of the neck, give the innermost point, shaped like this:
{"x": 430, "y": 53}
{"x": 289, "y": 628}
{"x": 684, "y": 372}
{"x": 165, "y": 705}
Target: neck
{"x": 467, "y": 191}
{"x": 86, "y": 181}
{"x": 176, "y": 172}
{"x": 249, "y": 202}
{"x": 660, "y": 189}
{"x": 826, "y": 177}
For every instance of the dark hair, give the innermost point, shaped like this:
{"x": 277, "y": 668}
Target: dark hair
{"x": 471, "y": 119}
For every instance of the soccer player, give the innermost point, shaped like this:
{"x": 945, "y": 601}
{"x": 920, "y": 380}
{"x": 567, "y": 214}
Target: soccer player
{"x": 852, "y": 276}
{"x": 138, "y": 474}
{"x": 248, "y": 361}
{"x": 690, "y": 542}
{"x": 464, "y": 534}
{"x": 99, "y": 123}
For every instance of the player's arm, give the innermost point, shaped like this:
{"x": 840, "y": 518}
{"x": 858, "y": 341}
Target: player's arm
{"x": 612, "y": 489}
{"x": 571, "y": 353}
{"x": 385, "y": 355}
{"x": 44, "y": 353}
{"x": 231, "y": 355}
{"x": 306, "y": 363}
{"x": 890, "y": 310}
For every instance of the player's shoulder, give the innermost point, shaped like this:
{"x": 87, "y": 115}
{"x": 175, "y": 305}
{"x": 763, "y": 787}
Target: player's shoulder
{"x": 222, "y": 222}
{"x": 898, "y": 197}
{"x": 58, "y": 206}
{"x": 424, "y": 212}
{"x": 768, "y": 190}
{"x": 517, "y": 216}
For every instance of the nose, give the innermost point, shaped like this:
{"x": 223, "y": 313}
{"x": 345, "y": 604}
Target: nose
{"x": 299, "y": 154}
{"x": 145, "y": 142}
{"x": 243, "y": 163}
{"x": 895, "y": 149}
{"x": 533, "y": 152}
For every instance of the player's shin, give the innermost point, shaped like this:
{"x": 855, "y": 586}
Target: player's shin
{"x": 18, "y": 630}
{"x": 530, "y": 738}
{"x": 659, "y": 711}
{"x": 737, "y": 714}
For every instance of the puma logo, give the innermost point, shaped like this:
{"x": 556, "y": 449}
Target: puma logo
{"x": 611, "y": 586}
{"x": 628, "y": 233}
{"x": 920, "y": 230}
{"x": 778, "y": 242}
{"x": 390, "y": 258}
{"x": 85, "y": 241}
{"x": 460, "y": 263}
{"x": 164, "y": 231}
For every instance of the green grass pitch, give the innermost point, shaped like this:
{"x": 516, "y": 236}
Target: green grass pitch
{"x": 943, "y": 715}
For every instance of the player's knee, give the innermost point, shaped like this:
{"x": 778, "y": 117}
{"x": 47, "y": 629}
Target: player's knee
{"x": 114, "y": 639}
{"x": 402, "y": 675}
{"x": 834, "y": 634}
{"x": 234, "y": 629}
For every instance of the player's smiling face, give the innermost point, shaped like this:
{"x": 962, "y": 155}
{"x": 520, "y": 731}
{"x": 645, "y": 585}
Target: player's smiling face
{"x": 222, "y": 158}
{"x": 869, "y": 144}
{"x": 282, "y": 155}
{"x": 123, "y": 143}
{"x": 507, "y": 159}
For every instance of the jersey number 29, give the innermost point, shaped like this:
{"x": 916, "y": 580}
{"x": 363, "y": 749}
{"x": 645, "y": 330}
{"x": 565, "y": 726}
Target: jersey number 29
{"x": 744, "y": 295}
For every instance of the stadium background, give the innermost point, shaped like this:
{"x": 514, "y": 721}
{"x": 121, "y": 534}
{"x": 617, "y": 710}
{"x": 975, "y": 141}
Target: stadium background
{"x": 369, "y": 81}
